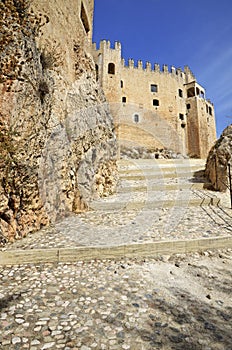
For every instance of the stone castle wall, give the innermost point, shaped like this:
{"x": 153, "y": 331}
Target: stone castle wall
{"x": 57, "y": 141}
{"x": 156, "y": 106}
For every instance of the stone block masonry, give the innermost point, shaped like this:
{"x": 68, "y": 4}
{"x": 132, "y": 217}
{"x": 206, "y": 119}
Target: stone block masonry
{"x": 154, "y": 107}
{"x": 57, "y": 141}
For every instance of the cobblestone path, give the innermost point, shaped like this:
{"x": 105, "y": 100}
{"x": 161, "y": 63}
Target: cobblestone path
{"x": 168, "y": 302}
{"x": 156, "y": 200}
{"x": 177, "y": 302}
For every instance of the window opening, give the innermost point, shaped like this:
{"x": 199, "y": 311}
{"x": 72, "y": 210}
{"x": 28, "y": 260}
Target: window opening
{"x": 84, "y": 19}
{"x": 191, "y": 92}
{"x": 180, "y": 93}
{"x": 207, "y": 109}
{"x": 121, "y": 84}
{"x": 210, "y": 110}
{"x": 155, "y": 102}
{"x": 197, "y": 91}
{"x": 202, "y": 94}
{"x": 183, "y": 125}
{"x": 136, "y": 118}
{"x": 181, "y": 116}
{"x": 154, "y": 88}
{"x": 188, "y": 106}
{"x": 97, "y": 71}
{"x": 111, "y": 68}
{"x": 124, "y": 99}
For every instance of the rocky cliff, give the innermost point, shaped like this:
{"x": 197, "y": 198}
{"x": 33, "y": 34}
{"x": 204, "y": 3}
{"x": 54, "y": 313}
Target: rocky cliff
{"x": 217, "y": 161}
{"x": 57, "y": 140}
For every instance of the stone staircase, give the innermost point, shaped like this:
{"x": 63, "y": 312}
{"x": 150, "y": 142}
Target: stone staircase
{"x": 159, "y": 183}
{"x": 161, "y": 207}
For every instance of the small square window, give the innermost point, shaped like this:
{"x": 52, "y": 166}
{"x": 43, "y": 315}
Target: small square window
{"x": 154, "y": 88}
{"x": 188, "y": 106}
{"x": 156, "y": 103}
{"x": 124, "y": 99}
{"x": 181, "y": 116}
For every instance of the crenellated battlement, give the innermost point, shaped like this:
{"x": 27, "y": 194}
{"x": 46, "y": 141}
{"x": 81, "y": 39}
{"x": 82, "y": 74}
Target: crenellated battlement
{"x": 147, "y": 67}
{"x": 106, "y": 46}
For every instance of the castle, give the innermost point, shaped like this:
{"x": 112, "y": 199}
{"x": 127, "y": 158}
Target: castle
{"x": 154, "y": 107}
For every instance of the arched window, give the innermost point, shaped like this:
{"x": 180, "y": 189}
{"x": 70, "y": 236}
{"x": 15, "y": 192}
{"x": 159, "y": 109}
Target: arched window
{"x": 111, "y": 68}
{"x": 136, "y": 118}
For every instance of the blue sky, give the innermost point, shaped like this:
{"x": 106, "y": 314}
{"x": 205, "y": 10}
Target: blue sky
{"x": 196, "y": 33}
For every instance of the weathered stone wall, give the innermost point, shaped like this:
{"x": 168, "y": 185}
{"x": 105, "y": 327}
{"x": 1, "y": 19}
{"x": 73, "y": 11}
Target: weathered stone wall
{"x": 57, "y": 140}
{"x": 217, "y": 162}
{"x": 161, "y": 111}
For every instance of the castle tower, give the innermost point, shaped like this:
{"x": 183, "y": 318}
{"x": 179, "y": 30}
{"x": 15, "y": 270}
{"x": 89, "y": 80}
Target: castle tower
{"x": 155, "y": 107}
{"x": 108, "y": 68}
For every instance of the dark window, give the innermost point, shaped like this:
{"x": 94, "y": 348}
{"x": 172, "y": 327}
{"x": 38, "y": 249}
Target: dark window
{"x": 155, "y": 102}
{"x": 198, "y": 91}
{"x": 111, "y": 68}
{"x": 202, "y": 94}
{"x": 124, "y": 99}
{"x": 181, "y": 116}
{"x": 180, "y": 93}
{"x": 210, "y": 110}
{"x": 84, "y": 19}
{"x": 136, "y": 118}
{"x": 97, "y": 72}
{"x": 207, "y": 109}
{"x": 191, "y": 92}
{"x": 183, "y": 125}
{"x": 154, "y": 88}
{"x": 188, "y": 106}
{"x": 121, "y": 84}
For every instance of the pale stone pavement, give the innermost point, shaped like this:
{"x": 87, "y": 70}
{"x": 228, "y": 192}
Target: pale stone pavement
{"x": 169, "y": 302}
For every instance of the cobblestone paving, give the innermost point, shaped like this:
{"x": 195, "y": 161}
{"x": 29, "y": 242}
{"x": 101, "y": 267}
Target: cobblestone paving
{"x": 122, "y": 226}
{"x": 178, "y": 302}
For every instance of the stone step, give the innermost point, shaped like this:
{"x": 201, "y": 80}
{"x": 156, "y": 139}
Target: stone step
{"x": 138, "y": 164}
{"x": 124, "y": 188}
{"x": 127, "y": 205}
{"x": 155, "y": 174}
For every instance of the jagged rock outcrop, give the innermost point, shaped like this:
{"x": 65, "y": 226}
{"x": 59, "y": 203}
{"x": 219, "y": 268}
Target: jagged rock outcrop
{"x": 217, "y": 162}
{"x": 57, "y": 141}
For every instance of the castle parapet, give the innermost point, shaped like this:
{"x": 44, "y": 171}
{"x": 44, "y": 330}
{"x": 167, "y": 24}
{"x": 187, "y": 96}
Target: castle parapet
{"x": 157, "y": 67}
{"x": 165, "y": 68}
{"x": 140, "y": 64}
{"x": 131, "y": 63}
{"x": 106, "y": 45}
{"x": 148, "y": 66}
{"x": 117, "y": 46}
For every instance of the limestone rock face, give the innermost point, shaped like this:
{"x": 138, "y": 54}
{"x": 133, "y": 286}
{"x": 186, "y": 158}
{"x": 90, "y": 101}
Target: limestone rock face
{"x": 217, "y": 161}
{"x": 57, "y": 142}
